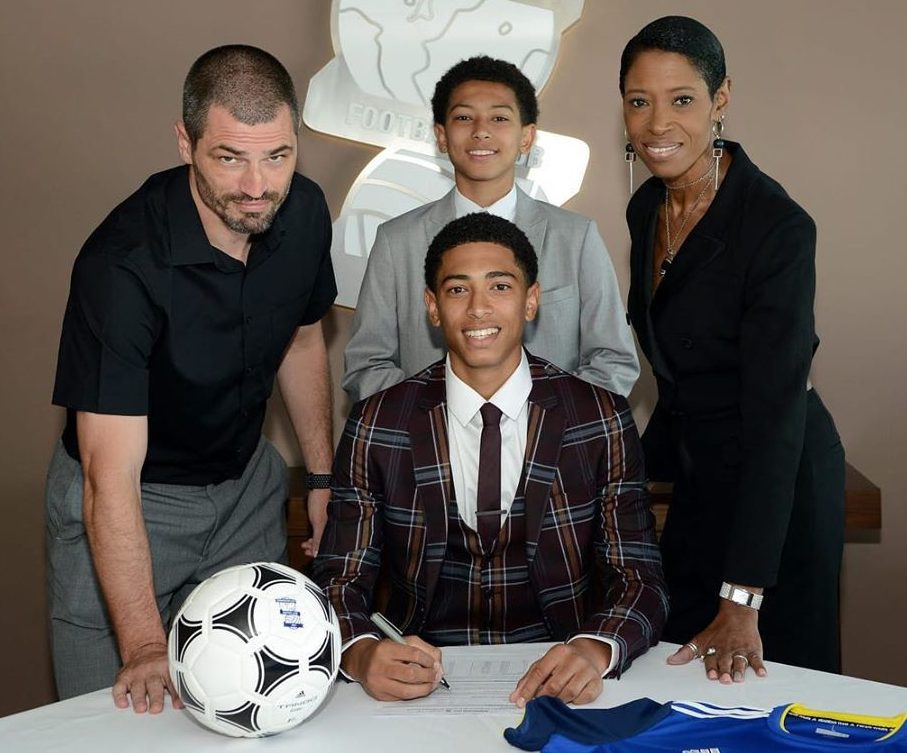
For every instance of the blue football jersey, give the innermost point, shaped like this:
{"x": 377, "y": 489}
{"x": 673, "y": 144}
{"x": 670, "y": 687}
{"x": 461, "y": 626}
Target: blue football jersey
{"x": 645, "y": 726}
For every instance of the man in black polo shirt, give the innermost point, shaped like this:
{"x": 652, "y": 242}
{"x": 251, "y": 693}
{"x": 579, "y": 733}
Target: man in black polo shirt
{"x": 185, "y": 303}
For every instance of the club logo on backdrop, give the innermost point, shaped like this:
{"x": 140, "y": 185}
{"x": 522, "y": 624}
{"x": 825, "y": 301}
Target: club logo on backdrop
{"x": 377, "y": 90}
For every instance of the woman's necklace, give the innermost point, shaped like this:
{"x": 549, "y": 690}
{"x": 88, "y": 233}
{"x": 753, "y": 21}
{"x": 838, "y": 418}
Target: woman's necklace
{"x": 671, "y": 251}
{"x": 690, "y": 183}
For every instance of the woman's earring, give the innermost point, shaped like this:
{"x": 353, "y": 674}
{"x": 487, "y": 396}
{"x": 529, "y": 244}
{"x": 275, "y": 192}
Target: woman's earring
{"x": 718, "y": 145}
{"x": 629, "y": 158}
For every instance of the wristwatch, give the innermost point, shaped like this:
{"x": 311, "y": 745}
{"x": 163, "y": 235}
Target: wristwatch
{"x": 740, "y": 596}
{"x": 318, "y": 480}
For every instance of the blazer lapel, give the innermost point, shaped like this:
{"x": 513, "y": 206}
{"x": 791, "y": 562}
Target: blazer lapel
{"x": 645, "y": 263}
{"x": 441, "y": 212}
{"x": 704, "y": 243}
{"x": 543, "y": 449}
{"x": 647, "y": 259}
{"x": 531, "y": 221}
{"x": 431, "y": 468}
{"x": 699, "y": 250}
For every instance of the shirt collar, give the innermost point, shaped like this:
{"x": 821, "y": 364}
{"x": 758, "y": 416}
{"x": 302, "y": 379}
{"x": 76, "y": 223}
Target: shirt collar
{"x": 463, "y": 402}
{"x": 505, "y": 207}
{"x": 188, "y": 242}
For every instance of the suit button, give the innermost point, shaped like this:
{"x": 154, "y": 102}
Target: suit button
{"x": 686, "y": 343}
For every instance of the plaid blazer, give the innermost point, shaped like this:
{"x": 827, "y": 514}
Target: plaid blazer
{"x": 590, "y": 541}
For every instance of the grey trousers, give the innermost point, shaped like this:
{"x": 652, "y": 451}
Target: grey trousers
{"x": 193, "y": 531}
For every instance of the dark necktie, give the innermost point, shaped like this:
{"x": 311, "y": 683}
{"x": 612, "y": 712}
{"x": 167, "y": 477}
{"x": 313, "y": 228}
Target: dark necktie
{"x": 488, "y": 490}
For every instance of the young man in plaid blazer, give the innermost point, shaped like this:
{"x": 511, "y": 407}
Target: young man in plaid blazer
{"x": 571, "y": 556}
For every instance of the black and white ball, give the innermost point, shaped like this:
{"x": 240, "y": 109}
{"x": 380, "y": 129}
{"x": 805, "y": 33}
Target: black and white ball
{"x": 254, "y": 650}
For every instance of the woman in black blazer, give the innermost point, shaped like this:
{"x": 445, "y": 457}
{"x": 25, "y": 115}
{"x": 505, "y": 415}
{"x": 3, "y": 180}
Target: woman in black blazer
{"x": 721, "y": 297}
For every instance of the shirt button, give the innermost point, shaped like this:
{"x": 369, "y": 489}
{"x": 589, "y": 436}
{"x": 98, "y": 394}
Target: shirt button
{"x": 686, "y": 343}
{"x": 248, "y": 369}
{"x": 248, "y": 320}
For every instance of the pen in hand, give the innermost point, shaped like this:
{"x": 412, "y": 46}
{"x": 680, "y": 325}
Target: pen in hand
{"x": 390, "y": 630}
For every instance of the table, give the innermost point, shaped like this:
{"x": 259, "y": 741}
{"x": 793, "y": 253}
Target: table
{"x": 346, "y": 723}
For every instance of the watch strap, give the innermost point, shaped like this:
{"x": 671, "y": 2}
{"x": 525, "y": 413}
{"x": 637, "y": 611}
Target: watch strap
{"x": 740, "y": 596}
{"x": 318, "y": 480}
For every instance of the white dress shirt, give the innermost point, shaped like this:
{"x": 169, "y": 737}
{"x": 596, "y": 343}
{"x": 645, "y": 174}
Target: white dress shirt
{"x": 464, "y": 436}
{"x": 505, "y": 207}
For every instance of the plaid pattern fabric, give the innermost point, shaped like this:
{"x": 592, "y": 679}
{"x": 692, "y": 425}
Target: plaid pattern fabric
{"x": 485, "y": 599}
{"x": 590, "y": 544}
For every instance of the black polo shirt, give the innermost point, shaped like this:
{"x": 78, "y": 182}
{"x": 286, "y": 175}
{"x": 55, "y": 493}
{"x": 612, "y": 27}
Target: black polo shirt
{"x": 161, "y": 323}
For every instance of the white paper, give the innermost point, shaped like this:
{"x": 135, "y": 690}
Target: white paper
{"x": 481, "y": 682}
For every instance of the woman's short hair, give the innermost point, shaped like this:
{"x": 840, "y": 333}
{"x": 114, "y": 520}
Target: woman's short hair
{"x": 685, "y": 36}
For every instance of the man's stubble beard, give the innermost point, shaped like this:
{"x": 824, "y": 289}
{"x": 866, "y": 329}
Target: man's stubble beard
{"x": 247, "y": 223}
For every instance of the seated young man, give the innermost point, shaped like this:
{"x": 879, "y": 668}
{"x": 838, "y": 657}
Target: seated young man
{"x": 503, "y": 497}
{"x": 485, "y": 112}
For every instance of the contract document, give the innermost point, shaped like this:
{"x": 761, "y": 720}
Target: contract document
{"x": 481, "y": 680}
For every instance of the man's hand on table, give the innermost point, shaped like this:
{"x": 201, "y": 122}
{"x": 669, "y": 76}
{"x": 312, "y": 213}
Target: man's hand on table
{"x": 143, "y": 680}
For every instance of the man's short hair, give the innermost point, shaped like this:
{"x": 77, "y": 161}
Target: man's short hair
{"x": 484, "y": 68}
{"x": 481, "y": 227}
{"x": 250, "y": 83}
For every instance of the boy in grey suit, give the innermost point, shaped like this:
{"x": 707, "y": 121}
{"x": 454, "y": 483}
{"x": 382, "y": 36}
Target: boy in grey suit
{"x": 485, "y": 112}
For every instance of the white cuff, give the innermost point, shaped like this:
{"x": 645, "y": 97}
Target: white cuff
{"x": 615, "y": 650}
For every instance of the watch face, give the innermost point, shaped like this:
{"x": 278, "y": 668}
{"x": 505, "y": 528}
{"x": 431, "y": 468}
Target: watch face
{"x": 740, "y": 596}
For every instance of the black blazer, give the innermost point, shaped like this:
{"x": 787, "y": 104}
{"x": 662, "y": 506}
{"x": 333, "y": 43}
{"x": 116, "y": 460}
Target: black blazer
{"x": 730, "y": 336}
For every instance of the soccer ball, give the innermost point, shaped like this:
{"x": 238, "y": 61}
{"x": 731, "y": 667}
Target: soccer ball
{"x": 254, "y": 650}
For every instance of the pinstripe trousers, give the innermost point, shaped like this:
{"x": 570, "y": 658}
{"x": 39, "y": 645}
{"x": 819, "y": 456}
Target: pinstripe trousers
{"x": 193, "y": 532}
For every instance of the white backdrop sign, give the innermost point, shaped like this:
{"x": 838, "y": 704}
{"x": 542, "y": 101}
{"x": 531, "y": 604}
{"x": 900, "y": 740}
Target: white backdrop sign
{"x": 377, "y": 90}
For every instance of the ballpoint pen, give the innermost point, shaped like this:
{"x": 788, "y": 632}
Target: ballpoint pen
{"x": 390, "y": 630}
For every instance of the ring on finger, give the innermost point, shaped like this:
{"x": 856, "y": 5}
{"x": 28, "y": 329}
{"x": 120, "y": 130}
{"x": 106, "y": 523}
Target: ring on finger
{"x": 711, "y": 651}
{"x": 694, "y": 648}
{"x": 746, "y": 660}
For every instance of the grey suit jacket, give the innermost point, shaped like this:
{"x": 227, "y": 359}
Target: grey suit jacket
{"x": 581, "y": 325}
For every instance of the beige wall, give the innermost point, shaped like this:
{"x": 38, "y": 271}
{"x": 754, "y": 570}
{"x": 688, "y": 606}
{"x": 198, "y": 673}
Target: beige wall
{"x": 91, "y": 89}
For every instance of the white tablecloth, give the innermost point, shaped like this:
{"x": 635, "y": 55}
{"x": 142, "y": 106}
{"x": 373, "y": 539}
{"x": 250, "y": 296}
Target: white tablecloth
{"x": 346, "y": 723}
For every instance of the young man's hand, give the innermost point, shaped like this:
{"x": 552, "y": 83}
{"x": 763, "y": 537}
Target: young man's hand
{"x": 569, "y": 671}
{"x": 392, "y": 671}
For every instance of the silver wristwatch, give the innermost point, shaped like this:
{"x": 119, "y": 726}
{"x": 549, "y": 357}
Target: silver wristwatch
{"x": 740, "y": 596}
